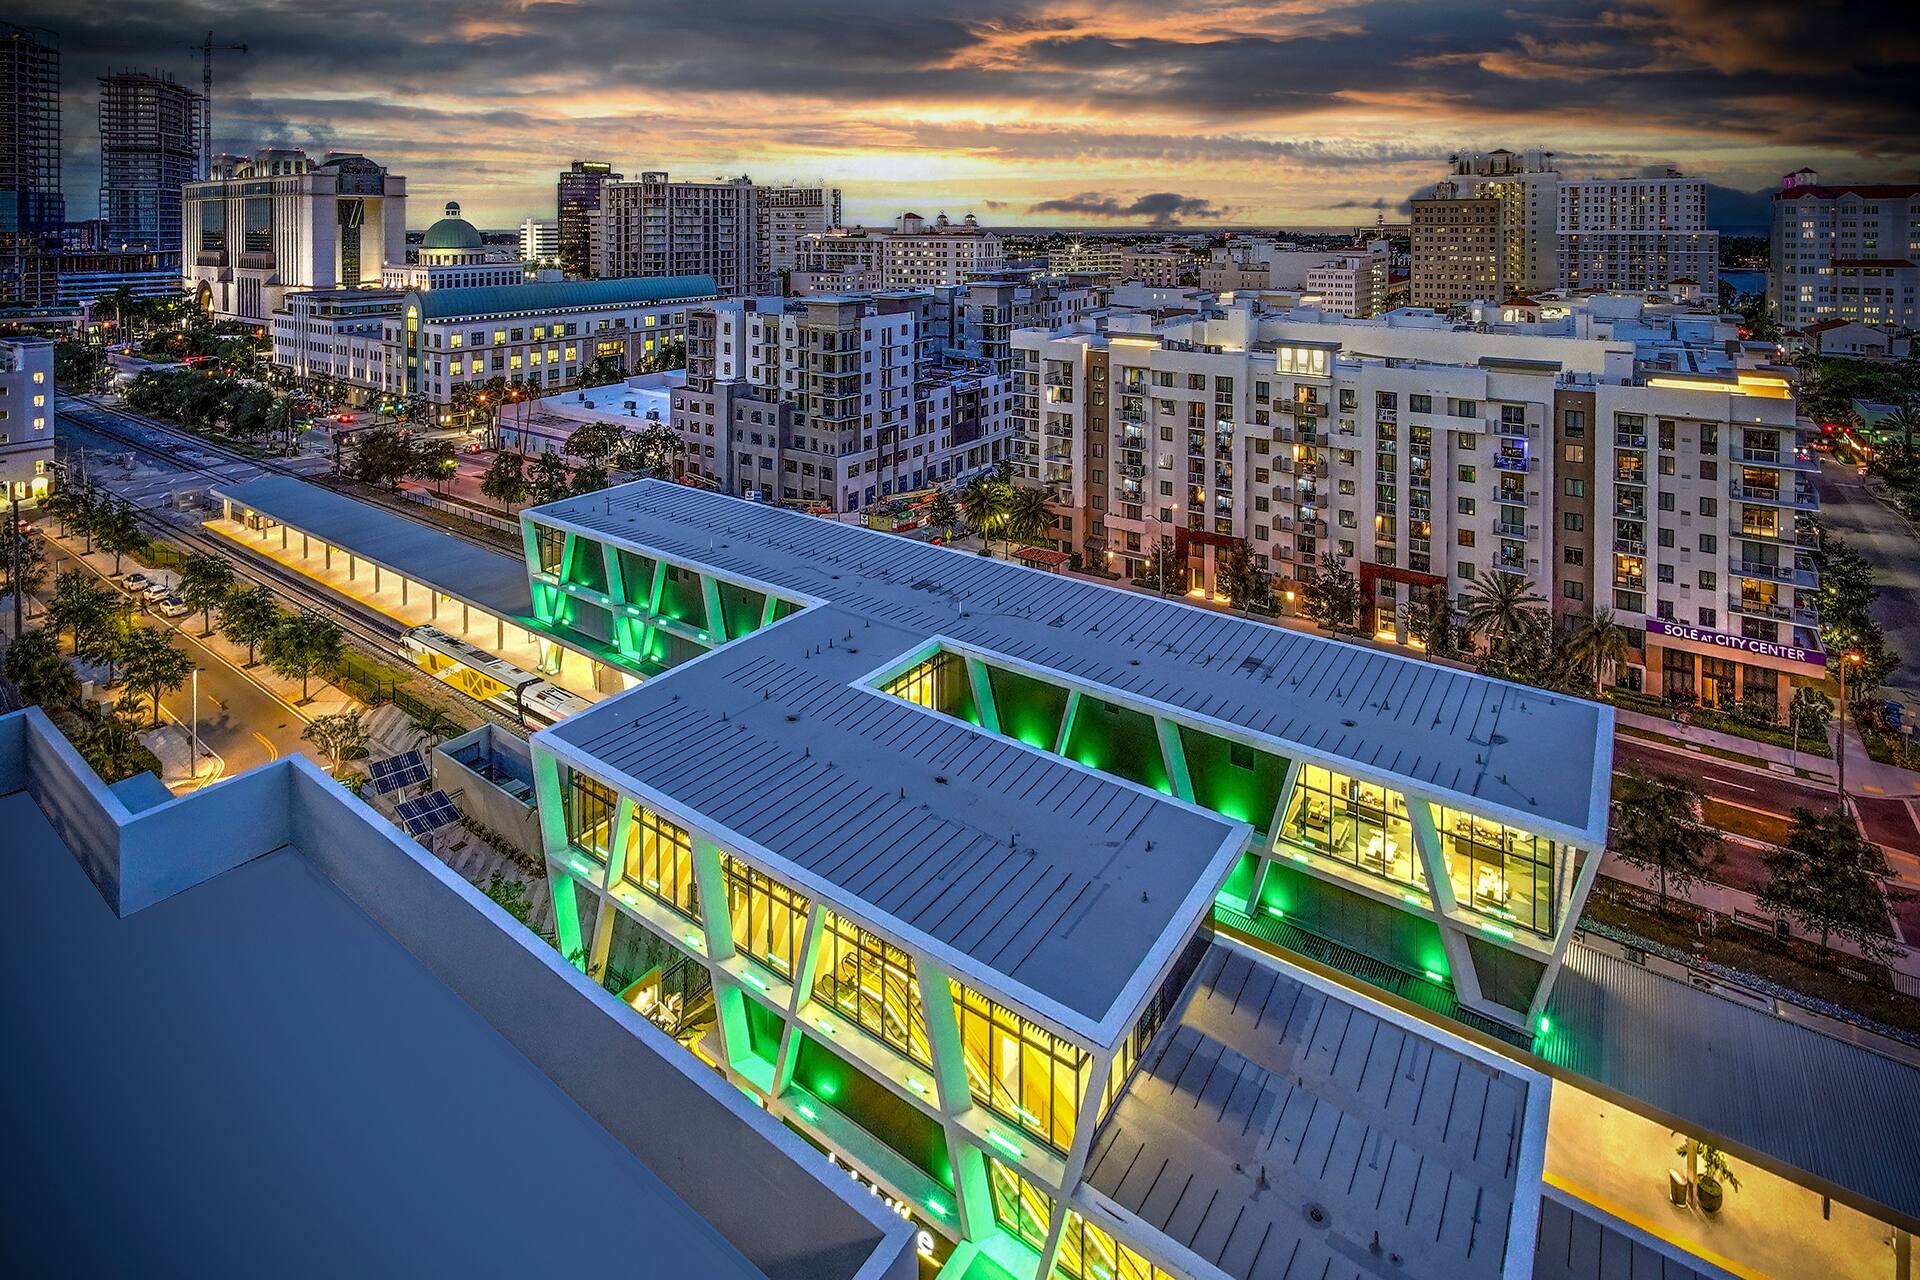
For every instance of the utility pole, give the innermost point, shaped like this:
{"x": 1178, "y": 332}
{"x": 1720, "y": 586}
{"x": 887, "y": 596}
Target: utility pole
{"x": 206, "y": 49}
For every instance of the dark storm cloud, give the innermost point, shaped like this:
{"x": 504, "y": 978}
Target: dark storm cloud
{"x": 1156, "y": 208}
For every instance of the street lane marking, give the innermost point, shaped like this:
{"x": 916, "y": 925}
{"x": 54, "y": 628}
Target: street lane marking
{"x": 273, "y": 752}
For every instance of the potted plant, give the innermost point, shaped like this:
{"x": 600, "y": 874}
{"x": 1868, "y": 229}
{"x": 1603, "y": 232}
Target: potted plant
{"x": 1712, "y": 1175}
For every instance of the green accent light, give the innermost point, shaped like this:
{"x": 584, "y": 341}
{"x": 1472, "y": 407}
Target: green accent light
{"x": 917, "y": 1087}
{"x": 754, "y": 979}
{"x": 1100, "y": 1272}
{"x": 1545, "y": 1026}
{"x": 937, "y": 1206}
{"x": 1497, "y": 931}
{"x": 1275, "y": 911}
{"x": 824, "y": 1025}
{"x": 806, "y": 1111}
{"x": 1010, "y": 1148}
{"x": 693, "y": 939}
{"x": 1433, "y": 976}
{"x": 826, "y": 1089}
{"x": 580, "y": 866}
{"x": 1297, "y": 856}
{"x": 1027, "y": 1115}
{"x": 1415, "y": 899}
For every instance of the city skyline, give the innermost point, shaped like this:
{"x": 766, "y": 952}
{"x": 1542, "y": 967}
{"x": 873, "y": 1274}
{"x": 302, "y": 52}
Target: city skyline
{"x": 1040, "y": 114}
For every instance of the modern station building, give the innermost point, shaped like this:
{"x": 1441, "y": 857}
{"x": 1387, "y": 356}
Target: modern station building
{"x": 945, "y": 840}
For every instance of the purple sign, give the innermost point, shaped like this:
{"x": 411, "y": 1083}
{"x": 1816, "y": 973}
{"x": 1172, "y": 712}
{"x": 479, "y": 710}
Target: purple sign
{"x": 1720, "y": 639}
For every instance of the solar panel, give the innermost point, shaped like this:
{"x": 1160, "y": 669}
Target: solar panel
{"x": 429, "y": 813}
{"x": 398, "y": 771}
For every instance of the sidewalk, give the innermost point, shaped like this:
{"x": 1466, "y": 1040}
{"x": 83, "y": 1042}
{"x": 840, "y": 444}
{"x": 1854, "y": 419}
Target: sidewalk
{"x": 1743, "y": 750}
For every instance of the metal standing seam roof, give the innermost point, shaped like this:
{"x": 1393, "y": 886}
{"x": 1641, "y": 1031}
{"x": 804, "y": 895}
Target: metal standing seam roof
{"x": 490, "y": 580}
{"x": 1540, "y": 758}
{"x": 1834, "y": 1110}
{"x": 1269, "y": 1100}
{"x": 1046, "y": 881}
{"x": 558, "y": 295}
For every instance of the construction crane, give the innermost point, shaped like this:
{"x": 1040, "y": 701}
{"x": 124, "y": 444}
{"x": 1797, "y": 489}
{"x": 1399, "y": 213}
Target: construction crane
{"x": 206, "y": 49}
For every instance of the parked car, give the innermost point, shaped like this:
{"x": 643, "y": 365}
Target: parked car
{"x": 155, "y": 591}
{"x": 173, "y": 606}
{"x": 134, "y": 583}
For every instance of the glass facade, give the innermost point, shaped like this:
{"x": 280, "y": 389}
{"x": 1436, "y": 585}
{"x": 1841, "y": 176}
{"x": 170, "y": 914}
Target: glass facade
{"x": 769, "y": 919}
{"x": 1088, "y": 1253}
{"x": 1353, "y": 822}
{"x": 1021, "y": 1209}
{"x": 1498, "y": 870}
{"x": 1019, "y": 1070}
{"x": 659, "y": 860}
{"x": 872, "y": 983}
{"x": 549, "y": 545}
{"x": 589, "y": 812}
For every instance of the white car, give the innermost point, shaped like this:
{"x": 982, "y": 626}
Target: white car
{"x": 156, "y": 591}
{"x": 173, "y": 606}
{"x": 134, "y": 583}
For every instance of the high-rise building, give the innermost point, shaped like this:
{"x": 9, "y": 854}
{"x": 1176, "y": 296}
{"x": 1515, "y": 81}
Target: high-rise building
{"x": 1457, "y": 249}
{"x": 1527, "y": 187}
{"x": 540, "y": 242}
{"x": 277, "y": 222}
{"x": 149, "y": 135}
{"x": 1636, "y": 234}
{"x": 26, "y": 421}
{"x": 1649, "y": 473}
{"x": 742, "y": 234}
{"x": 577, "y": 200}
{"x": 1849, "y": 251}
{"x": 833, "y": 400}
{"x": 912, "y": 255}
{"x": 32, "y": 205}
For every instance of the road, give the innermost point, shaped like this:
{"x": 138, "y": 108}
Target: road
{"x": 1883, "y": 538}
{"x": 241, "y": 722}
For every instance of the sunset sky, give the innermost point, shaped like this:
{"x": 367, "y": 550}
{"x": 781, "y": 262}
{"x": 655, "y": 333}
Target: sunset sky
{"x": 1045, "y": 112}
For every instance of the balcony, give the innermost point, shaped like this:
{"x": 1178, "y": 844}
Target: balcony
{"x": 1630, "y": 546}
{"x": 1630, "y": 475}
{"x": 1629, "y": 439}
{"x": 1792, "y": 459}
{"x": 1625, "y": 510}
{"x": 1800, "y": 497}
{"x": 1507, "y": 461}
{"x": 1800, "y": 574}
{"x": 1385, "y": 415}
{"x": 1630, "y": 581}
{"x": 1132, "y": 438}
{"x": 1304, "y": 408}
{"x": 1786, "y": 534}
{"x": 1755, "y": 607}
{"x": 1510, "y": 528}
{"x": 1516, "y": 561}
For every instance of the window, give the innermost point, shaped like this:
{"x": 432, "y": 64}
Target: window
{"x": 1353, "y": 822}
{"x": 1019, "y": 1070}
{"x": 1499, "y": 871}
{"x": 1709, "y": 543}
{"x": 1420, "y": 403}
{"x": 1463, "y": 570}
{"x": 1665, "y": 537}
{"x": 1573, "y": 555}
{"x": 1576, "y": 453}
{"x": 1576, "y": 488}
{"x": 769, "y": 919}
{"x": 1464, "y": 537}
{"x": 1088, "y": 1253}
{"x": 1666, "y": 502}
{"x": 1573, "y": 521}
{"x": 872, "y": 983}
{"x": 1573, "y": 590}
{"x": 1464, "y": 505}
{"x": 589, "y": 813}
{"x": 1020, "y": 1208}
{"x": 660, "y": 861}
{"x": 1708, "y": 580}
{"x": 1575, "y": 424}
{"x": 1467, "y": 474}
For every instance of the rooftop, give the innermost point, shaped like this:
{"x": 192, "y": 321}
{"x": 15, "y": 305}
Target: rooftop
{"x": 562, "y": 295}
{"x": 1273, "y": 1096}
{"x": 294, "y": 1043}
{"x": 489, "y": 580}
{"x": 1502, "y": 749}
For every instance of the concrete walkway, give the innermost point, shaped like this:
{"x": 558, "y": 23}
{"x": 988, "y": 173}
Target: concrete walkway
{"x": 1758, "y": 754}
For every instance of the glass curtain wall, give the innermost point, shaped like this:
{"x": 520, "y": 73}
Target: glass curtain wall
{"x": 1498, "y": 870}
{"x": 1352, "y": 822}
{"x": 769, "y": 919}
{"x": 589, "y": 813}
{"x": 1019, "y": 1070}
{"x": 659, "y": 859}
{"x": 872, "y": 983}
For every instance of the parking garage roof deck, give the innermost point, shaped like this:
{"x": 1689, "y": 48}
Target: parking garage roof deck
{"x": 1539, "y": 759}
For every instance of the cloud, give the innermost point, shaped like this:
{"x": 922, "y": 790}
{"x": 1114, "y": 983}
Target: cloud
{"x": 1160, "y": 208}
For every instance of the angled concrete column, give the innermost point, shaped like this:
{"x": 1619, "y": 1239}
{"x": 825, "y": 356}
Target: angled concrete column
{"x": 953, "y": 1096}
{"x": 1173, "y": 756}
{"x": 983, "y": 695}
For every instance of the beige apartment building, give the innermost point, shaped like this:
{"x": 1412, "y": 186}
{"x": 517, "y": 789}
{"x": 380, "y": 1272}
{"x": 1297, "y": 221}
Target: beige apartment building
{"x": 1457, "y": 249}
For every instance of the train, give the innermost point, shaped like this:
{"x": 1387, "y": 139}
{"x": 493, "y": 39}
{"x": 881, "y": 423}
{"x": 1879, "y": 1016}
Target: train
{"x": 530, "y": 699}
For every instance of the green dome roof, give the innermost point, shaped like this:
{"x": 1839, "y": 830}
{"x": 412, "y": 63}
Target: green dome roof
{"x": 451, "y": 233}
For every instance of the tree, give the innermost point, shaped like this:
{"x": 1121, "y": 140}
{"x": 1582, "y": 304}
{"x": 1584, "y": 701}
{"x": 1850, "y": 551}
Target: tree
{"x": 151, "y": 661}
{"x": 102, "y": 637}
{"x": 505, "y": 481}
{"x": 26, "y": 568}
{"x": 1430, "y": 621}
{"x": 303, "y": 646}
{"x": 119, "y": 533}
{"x": 249, "y": 616}
{"x": 600, "y": 371}
{"x": 986, "y": 499}
{"x": 1657, "y": 827}
{"x": 671, "y": 354}
{"x": 1831, "y": 880}
{"x": 78, "y": 368}
{"x": 435, "y": 463}
{"x": 1161, "y": 568}
{"x": 1241, "y": 579}
{"x": 281, "y": 420}
{"x": 110, "y": 744}
{"x": 432, "y": 729}
{"x": 383, "y": 456}
{"x": 342, "y": 735}
{"x": 1598, "y": 644}
{"x": 1810, "y": 712}
{"x": 547, "y": 479}
{"x": 39, "y": 670}
{"x": 596, "y": 442}
{"x": 78, "y": 598}
{"x": 589, "y": 477}
{"x": 943, "y": 513}
{"x": 651, "y": 451}
{"x": 1330, "y": 594}
{"x": 1029, "y": 515}
{"x": 205, "y": 583}
{"x": 1497, "y": 605}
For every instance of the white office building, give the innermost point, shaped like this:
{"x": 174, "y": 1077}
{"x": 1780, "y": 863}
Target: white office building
{"x": 26, "y": 420}
{"x": 742, "y": 234}
{"x": 913, "y": 254}
{"x": 1848, "y": 251}
{"x": 262, "y": 227}
{"x": 1635, "y": 234}
{"x": 540, "y": 241}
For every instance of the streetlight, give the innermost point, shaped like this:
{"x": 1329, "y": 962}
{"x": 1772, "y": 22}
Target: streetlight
{"x": 194, "y": 757}
{"x": 1850, "y": 658}
{"x": 1160, "y": 549}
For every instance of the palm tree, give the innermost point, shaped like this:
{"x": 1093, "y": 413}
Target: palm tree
{"x": 432, "y": 729}
{"x": 1029, "y": 515}
{"x": 111, "y": 747}
{"x": 1598, "y": 644}
{"x": 943, "y": 513}
{"x": 1903, "y": 420}
{"x": 1497, "y": 605}
{"x": 985, "y": 499}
